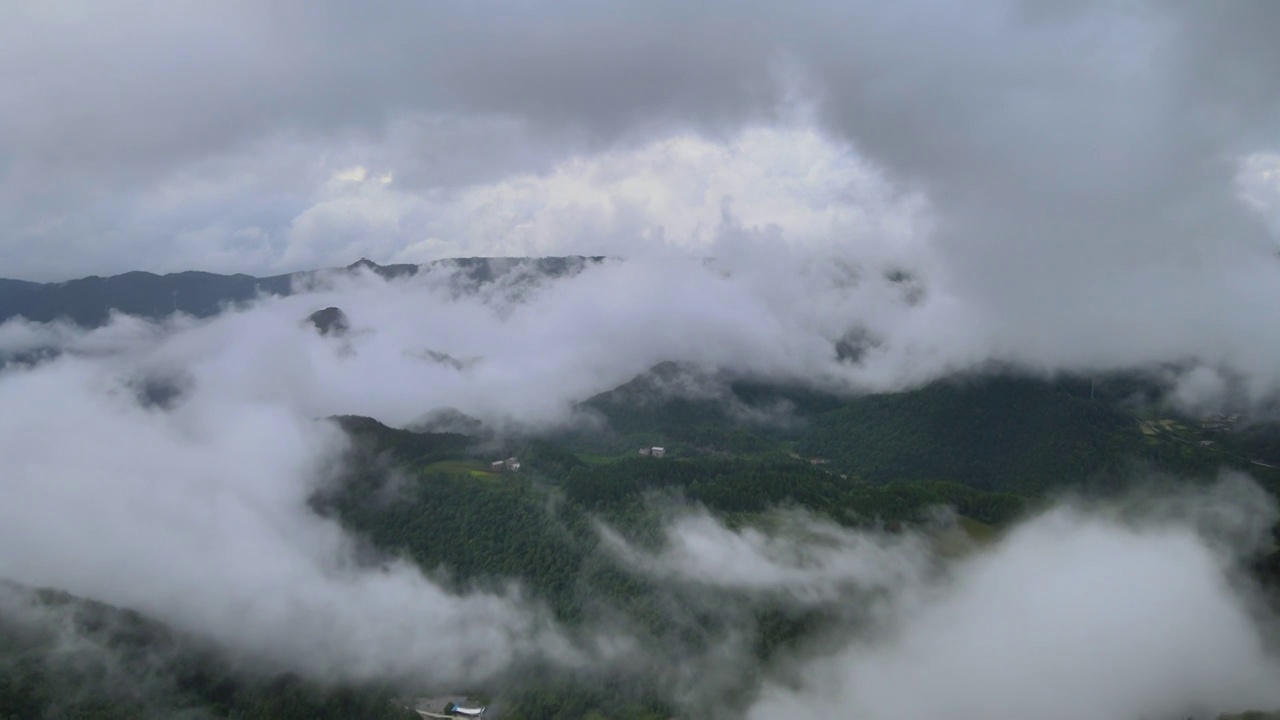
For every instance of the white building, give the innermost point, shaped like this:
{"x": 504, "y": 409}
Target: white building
{"x": 447, "y": 707}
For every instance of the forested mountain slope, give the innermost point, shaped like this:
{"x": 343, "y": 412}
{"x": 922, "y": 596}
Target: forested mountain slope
{"x": 1001, "y": 432}
{"x": 992, "y": 449}
{"x": 434, "y": 498}
{"x": 89, "y": 301}
{"x": 65, "y": 657}
{"x": 540, "y": 525}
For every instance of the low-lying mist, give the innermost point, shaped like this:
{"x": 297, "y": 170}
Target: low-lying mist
{"x": 167, "y": 467}
{"x": 523, "y": 349}
{"x": 1137, "y": 607}
{"x": 199, "y": 517}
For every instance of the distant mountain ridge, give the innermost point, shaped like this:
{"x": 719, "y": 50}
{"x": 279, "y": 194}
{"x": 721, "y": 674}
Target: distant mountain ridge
{"x": 89, "y": 301}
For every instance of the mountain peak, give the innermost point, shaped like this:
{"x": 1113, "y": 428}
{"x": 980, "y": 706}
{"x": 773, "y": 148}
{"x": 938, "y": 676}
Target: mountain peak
{"x": 330, "y": 321}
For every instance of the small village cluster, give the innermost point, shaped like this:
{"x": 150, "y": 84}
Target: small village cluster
{"x": 511, "y": 464}
{"x": 445, "y": 708}
{"x": 1219, "y": 422}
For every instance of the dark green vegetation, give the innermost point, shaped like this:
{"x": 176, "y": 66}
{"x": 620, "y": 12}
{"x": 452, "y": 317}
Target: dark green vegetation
{"x": 62, "y": 657}
{"x": 1260, "y": 441}
{"x": 89, "y": 301}
{"x": 697, "y": 413}
{"x": 540, "y": 525}
{"x": 1003, "y": 432}
{"x": 991, "y": 448}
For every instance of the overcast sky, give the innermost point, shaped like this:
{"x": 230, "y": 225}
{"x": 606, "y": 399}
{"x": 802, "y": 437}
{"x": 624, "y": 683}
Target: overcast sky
{"x": 273, "y": 136}
{"x": 1072, "y": 185}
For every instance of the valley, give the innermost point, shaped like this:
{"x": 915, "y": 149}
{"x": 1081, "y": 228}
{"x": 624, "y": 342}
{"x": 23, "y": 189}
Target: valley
{"x": 603, "y": 524}
{"x": 989, "y": 450}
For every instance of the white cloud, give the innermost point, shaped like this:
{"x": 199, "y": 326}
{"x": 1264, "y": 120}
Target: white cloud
{"x": 199, "y": 517}
{"x": 807, "y": 559}
{"x": 1258, "y": 184}
{"x": 673, "y": 195}
{"x": 355, "y": 174}
{"x": 1129, "y": 608}
{"x": 1072, "y": 615}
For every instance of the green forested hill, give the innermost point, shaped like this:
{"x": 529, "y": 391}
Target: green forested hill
{"x": 539, "y": 526}
{"x": 703, "y": 412}
{"x": 1007, "y": 433}
{"x": 128, "y": 667}
{"x": 989, "y": 448}
{"x": 1260, "y": 441}
{"x": 999, "y": 432}
{"x": 995, "y": 431}
{"x": 403, "y": 446}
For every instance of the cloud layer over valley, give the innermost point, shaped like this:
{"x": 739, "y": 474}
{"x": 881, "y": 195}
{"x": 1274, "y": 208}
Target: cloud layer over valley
{"x": 195, "y": 510}
{"x": 199, "y": 516}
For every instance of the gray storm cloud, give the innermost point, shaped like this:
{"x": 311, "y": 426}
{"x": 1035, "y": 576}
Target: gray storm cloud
{"x": 1078, "y": 187}
{"x": 1069, "y": 132}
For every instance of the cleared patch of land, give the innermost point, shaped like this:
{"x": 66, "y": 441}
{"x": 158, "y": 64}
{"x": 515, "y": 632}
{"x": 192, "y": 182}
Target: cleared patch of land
{"x": 474, "y": 468}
